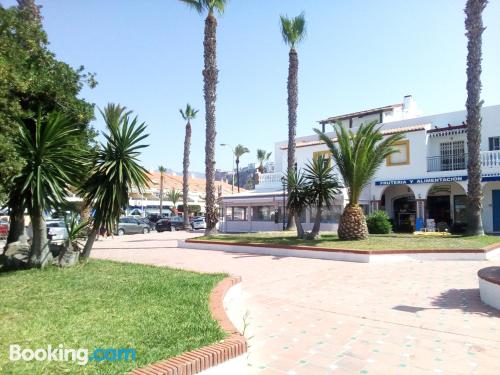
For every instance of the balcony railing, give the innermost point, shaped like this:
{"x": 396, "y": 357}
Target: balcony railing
{"x": 270, "y": 178}
{"x": 447, "y": 163}
{"x": 489, "y": 159}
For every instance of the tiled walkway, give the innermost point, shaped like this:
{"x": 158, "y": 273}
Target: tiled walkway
{"x": 308, "y": 316}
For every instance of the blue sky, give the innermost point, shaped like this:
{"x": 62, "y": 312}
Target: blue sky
{"x": 359, "y": 54}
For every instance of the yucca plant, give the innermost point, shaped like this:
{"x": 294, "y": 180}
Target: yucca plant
{"x": 52, "y": 164}
{"x": 298, "y": 197}
{"x": 116, "y": 169}
{"x": 210, "y": 78}
{"x": 188, "y": 114}
{"x": 358, "y": 156}
{"x": 322, "y": 186}
{"x": 77, "y": 232}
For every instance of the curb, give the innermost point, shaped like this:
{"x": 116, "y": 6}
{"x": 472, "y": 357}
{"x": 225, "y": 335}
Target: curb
{"x": 483, "y": 250}
{"x": 198, "y": 360}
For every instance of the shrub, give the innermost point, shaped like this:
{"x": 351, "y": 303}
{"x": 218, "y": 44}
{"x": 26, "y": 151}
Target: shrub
{"x": 378, "y": 223}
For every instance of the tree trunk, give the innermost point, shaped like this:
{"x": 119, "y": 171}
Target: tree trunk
{"x": 300, "y": 230}
{"x": 210, "y": 74}
{"x": 16, "y": 228}
{"x": 40, "y": 254}
{"x": 317, "y": 221}
{"x": 185, "y": 175}
{"x": 352, "y": 225}
{"x": 474, "y": 27}
{"x": 89, "y": 244}
{"x": 238, "y": 173}
{"x": 161, "y": 194}
{"x": 293, "y": 100}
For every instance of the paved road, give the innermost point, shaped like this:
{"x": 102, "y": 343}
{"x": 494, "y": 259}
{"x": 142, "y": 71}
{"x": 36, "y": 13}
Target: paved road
{"x": 309, "y": 316}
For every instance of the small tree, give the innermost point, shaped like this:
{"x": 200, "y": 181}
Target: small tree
{"x": 174, "y": 195}
{"x": 239, "y": 151}
{"x": 298, "y": 197}
{"x": 358, "y": 157}
{"x": 162, "y": 171}
{"x": 322, "y": 186}
{"x": 262, "y": 157}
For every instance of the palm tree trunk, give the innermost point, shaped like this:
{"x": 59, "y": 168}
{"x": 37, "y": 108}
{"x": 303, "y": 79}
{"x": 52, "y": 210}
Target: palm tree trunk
{"x": 161, "y": 194}
{"x": 352, "y": 225}
{"x": 474, "y": 27}
{"x": 40, "y": 254}
{"x": 300, "y": 230}
{"x": 293, "y": 95}
{"x": 90, "y": 243}
{"x": 185, "y": 175}
{"x": 238, "y": 173}
{"x": 210, "y": 74}
{"x": 317, "y": 220}
{"x": 16, "y": 228}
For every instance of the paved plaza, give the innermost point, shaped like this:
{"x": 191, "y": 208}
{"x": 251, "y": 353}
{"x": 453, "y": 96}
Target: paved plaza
{"x": 308, "y": 316}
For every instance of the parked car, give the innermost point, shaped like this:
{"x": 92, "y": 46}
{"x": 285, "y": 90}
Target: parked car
{"x": 131, "y": 225}
{"x": 4, "y": 229}
{"x": 170, "y": 224}
{"x": 199, "y": 223}
{"x": 57, "y": 231}
{"x": 148, "y": 222}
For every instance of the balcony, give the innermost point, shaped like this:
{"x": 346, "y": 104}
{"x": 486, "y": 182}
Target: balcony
{"x": 489, "y": 159}
{"x": 269, "y": 181}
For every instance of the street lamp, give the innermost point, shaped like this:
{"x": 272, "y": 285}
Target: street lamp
{"x": 283, "y": 182}
{"x": 232, "y": 151}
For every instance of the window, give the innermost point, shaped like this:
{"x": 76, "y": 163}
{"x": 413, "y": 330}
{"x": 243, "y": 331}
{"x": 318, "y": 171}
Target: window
{"x": 331, "y": 215}
{"x": 402, "y": 156}
{"x": 494, "y": 143}
{"x": 326, "y": 154}
{"x": 452, "y": 155}
{"x": 236, "y": 214}
{"x": 263, "y": 213}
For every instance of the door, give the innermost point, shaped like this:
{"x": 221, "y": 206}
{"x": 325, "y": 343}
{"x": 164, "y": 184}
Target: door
{"x": 496, "y": 210}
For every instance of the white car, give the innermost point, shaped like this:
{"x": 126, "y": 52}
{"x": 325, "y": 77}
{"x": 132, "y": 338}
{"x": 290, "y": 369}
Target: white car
{"x": 199, "y": 223}
{"x": 56, "y": 230}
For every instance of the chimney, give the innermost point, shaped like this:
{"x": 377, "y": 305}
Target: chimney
{"x": 407, "y": 102}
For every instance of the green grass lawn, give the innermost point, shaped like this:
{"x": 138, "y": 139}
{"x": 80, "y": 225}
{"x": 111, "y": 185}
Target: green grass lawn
{"x": 374, "y": 242}
{"x": 159, "y": 312}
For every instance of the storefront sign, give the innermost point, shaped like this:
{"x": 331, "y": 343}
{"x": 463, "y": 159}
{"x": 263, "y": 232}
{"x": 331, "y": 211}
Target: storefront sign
{"x": 429, "y": 180}
{"x": 434, "y": 180}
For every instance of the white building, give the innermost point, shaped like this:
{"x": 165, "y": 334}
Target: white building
{"x": 426, "y": 179}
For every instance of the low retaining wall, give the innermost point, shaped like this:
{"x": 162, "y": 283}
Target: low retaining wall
{"x": 489, "y": 286}
{"x": 360, "y": 256}
{"x": 196, "y": 361}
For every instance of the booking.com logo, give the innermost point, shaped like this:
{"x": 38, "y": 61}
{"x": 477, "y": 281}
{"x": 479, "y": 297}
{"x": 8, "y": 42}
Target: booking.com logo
{"x": 60, "y": 353}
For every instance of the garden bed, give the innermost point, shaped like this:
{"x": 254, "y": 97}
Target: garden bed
{"x": 157, "y": 311}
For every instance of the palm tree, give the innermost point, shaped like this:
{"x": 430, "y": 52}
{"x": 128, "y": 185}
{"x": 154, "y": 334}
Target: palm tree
{"x": 52, "y": 163}
{"x": 162, "y": 171}
{"x": 262, "y": 157}
{"x": 174, "y": 195}
{"x": 474, "y": 27}
{"x": 188, "y": 114}
{"x": 298, "y": 197}
{"x": 322, "y": 186}
{"x": 116, "y": 170}
{"x": 210, "y": 77}
{"x": 293, "y": 31}
{"x": 239, "y": 151}
{"x": 358, "y": 157}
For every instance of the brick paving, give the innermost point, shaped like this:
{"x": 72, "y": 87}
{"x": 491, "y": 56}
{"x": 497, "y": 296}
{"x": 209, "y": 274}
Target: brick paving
{"x": 308, "y": 316}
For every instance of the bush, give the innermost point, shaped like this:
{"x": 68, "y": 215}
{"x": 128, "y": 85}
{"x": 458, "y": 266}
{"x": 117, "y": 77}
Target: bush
{"x": 378, "y": 223}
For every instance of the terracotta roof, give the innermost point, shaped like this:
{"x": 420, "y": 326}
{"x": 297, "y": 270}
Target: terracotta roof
{"x": 196, "y": 185}
{"x": 406, "y": 129}
{"x": 360, "y": 113}
{"x": 449, "y": 127}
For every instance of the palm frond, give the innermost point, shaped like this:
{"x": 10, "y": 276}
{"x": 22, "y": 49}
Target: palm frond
{"x": 293, "y": 30}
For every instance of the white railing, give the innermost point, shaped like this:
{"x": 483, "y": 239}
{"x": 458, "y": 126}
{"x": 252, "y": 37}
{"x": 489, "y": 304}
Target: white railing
{"x": 490, "y": 158}
{"x": 270, "y": 178}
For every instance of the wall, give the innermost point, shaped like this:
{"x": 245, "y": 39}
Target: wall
{"x": 488, "y": 205}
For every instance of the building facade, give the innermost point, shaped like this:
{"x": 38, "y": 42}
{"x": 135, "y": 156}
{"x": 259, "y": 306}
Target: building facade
{"x": 426, "y": 178}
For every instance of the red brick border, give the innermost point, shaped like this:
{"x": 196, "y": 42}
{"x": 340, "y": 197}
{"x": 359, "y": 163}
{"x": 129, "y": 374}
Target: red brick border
{"x": 483, "y": 250}
{"x": 201, "y": 359}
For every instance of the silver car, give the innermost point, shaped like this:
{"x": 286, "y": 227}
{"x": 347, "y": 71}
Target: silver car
{"x": 131, "y": 225}
{"x": 199, "y": 223}
{"x": 56, "y": 231}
